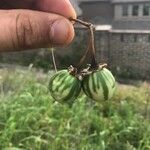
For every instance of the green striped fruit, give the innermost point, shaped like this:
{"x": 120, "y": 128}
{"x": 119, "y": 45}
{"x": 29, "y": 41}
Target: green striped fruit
{"x": 64, "y": 87}
{"x": 99, "y": 85}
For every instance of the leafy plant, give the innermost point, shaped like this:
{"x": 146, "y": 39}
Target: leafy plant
{"x": 30, "y": 119}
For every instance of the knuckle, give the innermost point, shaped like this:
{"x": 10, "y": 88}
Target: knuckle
{"x": 24, "y": 30}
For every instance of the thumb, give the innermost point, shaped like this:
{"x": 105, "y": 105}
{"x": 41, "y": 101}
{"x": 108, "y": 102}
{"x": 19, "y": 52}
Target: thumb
{"x": 25, "y": 29}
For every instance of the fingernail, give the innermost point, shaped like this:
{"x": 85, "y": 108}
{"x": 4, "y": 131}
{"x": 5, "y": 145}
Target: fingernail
{"x": 72, "y": 9}
{"x": 59, "y": 32}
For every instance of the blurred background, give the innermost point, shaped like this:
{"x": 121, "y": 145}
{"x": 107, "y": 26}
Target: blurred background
{"x": 29, "y": 117}
{"x": 122, "y": 39}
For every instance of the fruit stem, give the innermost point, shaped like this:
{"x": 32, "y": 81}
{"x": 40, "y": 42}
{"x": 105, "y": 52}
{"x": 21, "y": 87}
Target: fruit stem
{"x": 91, "y": 47}
{"x": 94, "y": 64}
{"x": 86, "y": 24}
{"x": 53, "y": 58}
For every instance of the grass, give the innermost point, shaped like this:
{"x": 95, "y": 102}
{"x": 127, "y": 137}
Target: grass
{"x": 31, "y": 120}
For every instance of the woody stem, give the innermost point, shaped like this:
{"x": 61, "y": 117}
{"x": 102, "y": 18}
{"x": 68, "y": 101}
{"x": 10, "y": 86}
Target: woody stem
{"x": 92, "y": 50}
{"x": 86, "y": 24}
{"x": 92, "y": 43}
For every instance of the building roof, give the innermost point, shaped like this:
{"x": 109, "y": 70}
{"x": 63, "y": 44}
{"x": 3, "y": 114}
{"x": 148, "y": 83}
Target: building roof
{"x": 92, "y": 0}
{"x": 129, "y": 31}
{"x": 105, "y": 23}
{"x": 131, "y": 25}
{"x": 103, "y": 27}
{"x": 114, "y": 1}
{"x": 128, "y": 1}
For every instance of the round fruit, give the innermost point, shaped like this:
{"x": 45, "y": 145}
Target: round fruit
{"x": 64, "y": 87}
{"x": 99, "y": 85}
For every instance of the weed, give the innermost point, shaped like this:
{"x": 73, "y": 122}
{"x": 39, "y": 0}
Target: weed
{"x": 30, "y": 119}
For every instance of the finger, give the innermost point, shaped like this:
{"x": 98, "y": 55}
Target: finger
{"x": 62, "y": 7}
{"x": 32, "y": 29}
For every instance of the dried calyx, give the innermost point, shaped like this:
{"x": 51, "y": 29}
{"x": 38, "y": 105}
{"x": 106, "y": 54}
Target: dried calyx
{"x": 72, "y": 70}
{"x": 93, "y": 66}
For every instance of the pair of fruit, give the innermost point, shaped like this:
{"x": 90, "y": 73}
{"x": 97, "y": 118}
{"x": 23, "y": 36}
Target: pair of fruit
{"x": 65, "y": 85}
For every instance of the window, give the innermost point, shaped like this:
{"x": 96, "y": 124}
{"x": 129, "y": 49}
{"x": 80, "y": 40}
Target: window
{"x": 146, "y": 10}
{"x": 135, "y": 38}
{"x": 122, "y": 38}
{"x": 135, "y": 10}
{"x": 148, "y": 40}
{"x": 140, "y": 38}
{"x": 125, "y": 10}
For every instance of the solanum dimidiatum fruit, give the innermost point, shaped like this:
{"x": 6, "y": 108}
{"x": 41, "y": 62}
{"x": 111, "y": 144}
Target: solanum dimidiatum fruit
{"x": 96, "y": 81}
{"x": 99, "y": 84}
{"x": 65, "y": 86}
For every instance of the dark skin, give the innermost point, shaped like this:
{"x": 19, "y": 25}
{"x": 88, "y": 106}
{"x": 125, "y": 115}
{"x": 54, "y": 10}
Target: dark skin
{"x": 29, "y": 24}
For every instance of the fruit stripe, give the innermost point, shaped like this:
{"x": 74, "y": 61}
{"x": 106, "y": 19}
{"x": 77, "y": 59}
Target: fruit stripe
{"x": 111, "y": 77}
{"x": 98, "y": 81}
{"x": 86, "y": 86}
{"x": 91, "y": 82}
{"x": 59, "y": 79}
{"x": 57, "y": 75}
{"x": 104, "y": 86}
{"x": 99, "y": 85}
{"x": 52, "y": 79}
{"x": 93, "y": 77}
{"x": 73, "y": 93}
{"x": 109, "y": 74}
{"x": 69, "y": 80}
{"x": 66, "y": 87}
{"x": 62, "y": 82}
{"x": 62, "y": 87}
{"x": 93, "y": 85}
{"x": 100, "y": 88}
{"x": 109, "y": 80}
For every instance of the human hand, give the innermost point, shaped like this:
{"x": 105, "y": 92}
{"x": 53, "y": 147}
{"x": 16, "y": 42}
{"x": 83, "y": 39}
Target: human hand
{"x": 28, "y": 24}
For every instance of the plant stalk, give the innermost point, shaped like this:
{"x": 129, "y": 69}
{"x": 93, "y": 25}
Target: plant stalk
{"x": 91, "y": 46}
{"x": 86, "y": 24}
{"x": 53, "y": 58}
{"x": 94, "y": 64}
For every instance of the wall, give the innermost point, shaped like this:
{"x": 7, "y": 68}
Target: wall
{"x": 102, "y": 41}
{"x": 131, "y": 57}
{"x": 127, "y": 55}
{"x": 131, "y": 22}
{"x": 101, "y": 12}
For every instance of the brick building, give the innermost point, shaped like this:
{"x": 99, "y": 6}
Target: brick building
{"x": 122, "y": 35}
{"x": 122, "y": 38}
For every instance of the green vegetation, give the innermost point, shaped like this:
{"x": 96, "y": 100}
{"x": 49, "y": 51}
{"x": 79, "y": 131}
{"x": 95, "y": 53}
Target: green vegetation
{"x": 31, "y": 120}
